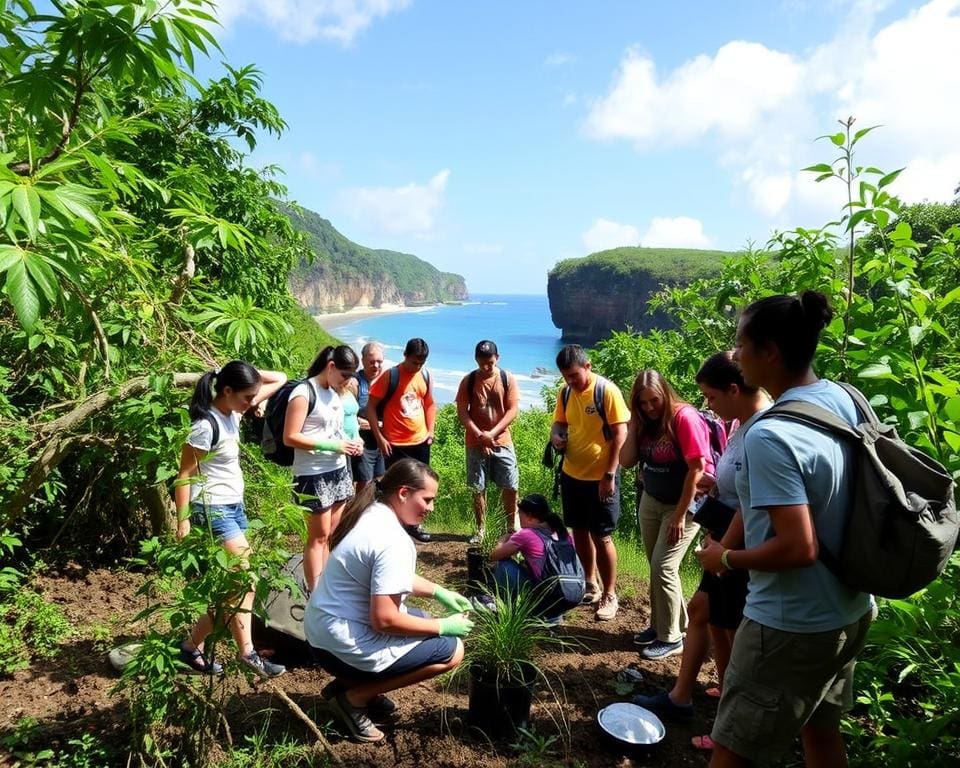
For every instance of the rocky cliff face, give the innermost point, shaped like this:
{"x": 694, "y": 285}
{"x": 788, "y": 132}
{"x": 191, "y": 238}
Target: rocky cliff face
{"x": 589, "y": 304}
{"x": 321, "y": 291}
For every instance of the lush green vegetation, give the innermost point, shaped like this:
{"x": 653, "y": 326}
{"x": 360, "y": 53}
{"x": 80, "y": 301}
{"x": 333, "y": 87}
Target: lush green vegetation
{"x": 335, "y": 259}
{"x": 666, "y": 264}
{"x": 137, "y": 247}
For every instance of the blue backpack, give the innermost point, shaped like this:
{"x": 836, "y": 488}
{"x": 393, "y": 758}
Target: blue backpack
{"x": 562, "y": 581}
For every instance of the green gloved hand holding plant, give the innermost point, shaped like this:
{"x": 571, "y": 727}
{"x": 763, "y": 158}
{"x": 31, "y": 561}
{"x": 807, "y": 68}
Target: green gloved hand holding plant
{"x": 458, "y": 625}
{"x": 451, "y": 600}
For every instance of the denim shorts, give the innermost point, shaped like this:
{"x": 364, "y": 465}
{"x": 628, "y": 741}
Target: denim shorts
{"x": 429, "y": 651}
{"x": 225, "y": 521}
{"x": 498, "y": 467}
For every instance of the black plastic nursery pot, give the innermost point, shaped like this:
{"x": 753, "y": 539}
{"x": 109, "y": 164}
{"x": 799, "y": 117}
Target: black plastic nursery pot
{"x": 479, "y": 573}
{"x": 500, "y": 709}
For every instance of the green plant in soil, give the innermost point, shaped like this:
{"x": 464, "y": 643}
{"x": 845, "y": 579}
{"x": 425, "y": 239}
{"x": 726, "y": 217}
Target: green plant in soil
{"x": 508, "y": 637}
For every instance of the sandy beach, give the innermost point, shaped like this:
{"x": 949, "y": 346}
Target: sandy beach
{"x": 332, "y": 320}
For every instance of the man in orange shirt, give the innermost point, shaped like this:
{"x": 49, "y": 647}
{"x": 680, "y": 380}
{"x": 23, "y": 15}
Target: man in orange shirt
{"x": 487, "y": 402}
{"x": 401, "y": 412}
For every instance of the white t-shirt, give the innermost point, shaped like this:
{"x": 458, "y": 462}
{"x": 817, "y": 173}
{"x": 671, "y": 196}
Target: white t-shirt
{"x": 219, "y": 479}
{"x": 377, "y": 557}
{"x": 324, "y": 422}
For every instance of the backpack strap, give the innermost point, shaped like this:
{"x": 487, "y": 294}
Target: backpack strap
{"x": 214, "y": 429}
{"x": 599, "y": 390}
{"x": 813, "y": 416}
{"x": 393, "y": 381}
{"x": 471, "y": 380}
{"x": 504, "y": 380}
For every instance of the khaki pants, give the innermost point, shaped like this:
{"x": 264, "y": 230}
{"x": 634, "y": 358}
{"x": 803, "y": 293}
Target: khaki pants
{"x": 668, "y": 609}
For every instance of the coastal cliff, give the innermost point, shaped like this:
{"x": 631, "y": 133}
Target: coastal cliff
{"x": 608, "y": 291}
{"x": 344, "y": 275}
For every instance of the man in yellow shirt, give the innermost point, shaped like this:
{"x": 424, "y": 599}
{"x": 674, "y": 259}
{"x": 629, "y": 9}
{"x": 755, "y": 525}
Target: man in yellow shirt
{"x": 590, "y": 426}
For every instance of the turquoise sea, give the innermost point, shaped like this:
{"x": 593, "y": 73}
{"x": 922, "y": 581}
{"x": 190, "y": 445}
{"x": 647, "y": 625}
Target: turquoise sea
{"x": 520, "y": 325}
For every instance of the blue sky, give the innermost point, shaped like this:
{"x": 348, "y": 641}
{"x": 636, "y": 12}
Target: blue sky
{"x": 495, "y": 138}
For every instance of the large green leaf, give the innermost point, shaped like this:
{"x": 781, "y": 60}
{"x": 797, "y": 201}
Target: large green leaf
{"x": 26, "y": 202}
{"x": 23, "y": 295}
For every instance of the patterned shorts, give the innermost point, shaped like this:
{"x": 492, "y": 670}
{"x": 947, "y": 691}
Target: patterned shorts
{"x": 320, "y": 492}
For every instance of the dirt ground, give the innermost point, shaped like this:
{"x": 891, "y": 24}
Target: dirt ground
{"x": 70, "y": 694}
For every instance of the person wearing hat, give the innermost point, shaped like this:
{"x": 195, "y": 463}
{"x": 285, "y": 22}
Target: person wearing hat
{"x": 537, "y": 521}
{"x": 487, "y": 403}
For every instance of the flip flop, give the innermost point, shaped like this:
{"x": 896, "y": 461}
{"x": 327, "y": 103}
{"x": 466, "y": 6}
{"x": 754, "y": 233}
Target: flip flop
{"x": 702, "y": 742}
{"x": 714, "y": 693}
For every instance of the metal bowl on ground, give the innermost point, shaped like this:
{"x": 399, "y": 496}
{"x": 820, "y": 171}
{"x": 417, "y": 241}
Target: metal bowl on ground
{"x": 630, "y": 727}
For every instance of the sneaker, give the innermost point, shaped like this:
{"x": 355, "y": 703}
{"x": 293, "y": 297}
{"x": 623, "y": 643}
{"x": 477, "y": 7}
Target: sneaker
{"x": 646, "y": 637}
{"x": 262, "y": 666}
{"x": 417, "y": 533}
{"x": 660, "y": 650}
{"x": 607, "y": 610}
{"x": 660, "y": 703}
{"x": 360, "y": 726}
{"x": 476, "y": 538}
{"x": 198, "y": 662}
{"x": 591, "y": 594}
{"x": 378, "y": 706}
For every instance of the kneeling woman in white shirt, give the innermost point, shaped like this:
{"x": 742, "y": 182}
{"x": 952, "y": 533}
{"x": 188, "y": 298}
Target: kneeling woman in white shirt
{"x": 357, "y": 619}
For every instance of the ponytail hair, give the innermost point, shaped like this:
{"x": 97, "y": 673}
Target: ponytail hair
{"x": 406, "y": 473}
{"x": 721, "y": 371}
{"x": 538, "y": 508}
{"x": 343, "y": 357}
{"x": 790, "y": 323}
{"x": 236, "y": 374}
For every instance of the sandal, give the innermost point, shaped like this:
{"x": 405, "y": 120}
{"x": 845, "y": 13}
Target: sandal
{"x": 360, "y": 726}
{"x": 197, "y": 662}
{"x": 702, "y": 742}
{"x": 715, "y": 692}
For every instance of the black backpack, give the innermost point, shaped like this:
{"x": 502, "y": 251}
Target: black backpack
{"x": 902, "y": 524}
{"x": 393, "y": 383}
{"x": 271, "y": 438}
{"x": 562, "y": 581}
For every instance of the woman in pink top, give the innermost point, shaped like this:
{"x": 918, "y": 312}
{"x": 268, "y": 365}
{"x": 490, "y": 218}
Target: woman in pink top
{"x": 536, "y": 521}
{"x": 669, "y": 441}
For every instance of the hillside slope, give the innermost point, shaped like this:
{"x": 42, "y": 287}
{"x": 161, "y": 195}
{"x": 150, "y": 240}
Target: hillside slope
{"x": 344, "y": 274}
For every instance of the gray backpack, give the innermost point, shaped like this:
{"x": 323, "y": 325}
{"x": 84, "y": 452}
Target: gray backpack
{"x": 902, "y": 526}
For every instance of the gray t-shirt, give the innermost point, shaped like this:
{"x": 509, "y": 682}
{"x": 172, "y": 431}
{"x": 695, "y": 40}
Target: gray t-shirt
{"x": 788, "y": 463}
{"x": 219, "y": 479}
{"x": 377, "y": 557}
{"x": 324, "y": 422}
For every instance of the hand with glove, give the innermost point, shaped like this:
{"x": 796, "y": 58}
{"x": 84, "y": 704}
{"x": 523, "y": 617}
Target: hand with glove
{"x": 458, "y": 625}
{"x": 451, "y": 600}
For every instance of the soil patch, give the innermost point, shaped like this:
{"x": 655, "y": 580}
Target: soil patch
{"x": 70, "y": 694}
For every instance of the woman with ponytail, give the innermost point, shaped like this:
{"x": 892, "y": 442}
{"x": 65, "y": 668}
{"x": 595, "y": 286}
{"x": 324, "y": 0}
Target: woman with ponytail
{"x": 321, "y": 478}
{"x": 209, "y": 492}
{"x": 793, "y": 657}
{"x": 357, "y": 618}
{"x": 537, "y": 521}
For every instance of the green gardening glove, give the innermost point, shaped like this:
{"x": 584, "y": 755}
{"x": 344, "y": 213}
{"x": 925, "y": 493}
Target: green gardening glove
{"x": 457, "y": 625}
{"x": 451, "y": 600}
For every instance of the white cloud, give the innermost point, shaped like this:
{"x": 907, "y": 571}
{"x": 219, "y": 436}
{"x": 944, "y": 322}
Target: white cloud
{"x": 758, "y": 109}
{"x": 729, "y": 93}
{"x": 408, "y": 210}
{"x": 676, "y": 232}
{"x": 305, "y": 20}
{"x": 606, "y": 234}
{"x": 558, "y": 59}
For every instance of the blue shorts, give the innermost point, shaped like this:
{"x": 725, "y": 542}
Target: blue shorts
{"x": 429, "y": 651}
{"x": 224, "y": 521}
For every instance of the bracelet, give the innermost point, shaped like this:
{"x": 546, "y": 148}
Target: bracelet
{"x": 723, "y": 559}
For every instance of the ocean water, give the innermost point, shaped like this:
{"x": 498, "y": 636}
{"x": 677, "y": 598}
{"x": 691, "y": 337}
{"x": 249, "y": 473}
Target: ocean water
{"x": 520, "y": 325}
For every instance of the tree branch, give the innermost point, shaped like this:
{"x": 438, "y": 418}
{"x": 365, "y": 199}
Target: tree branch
{"x": 186, "y": 272}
